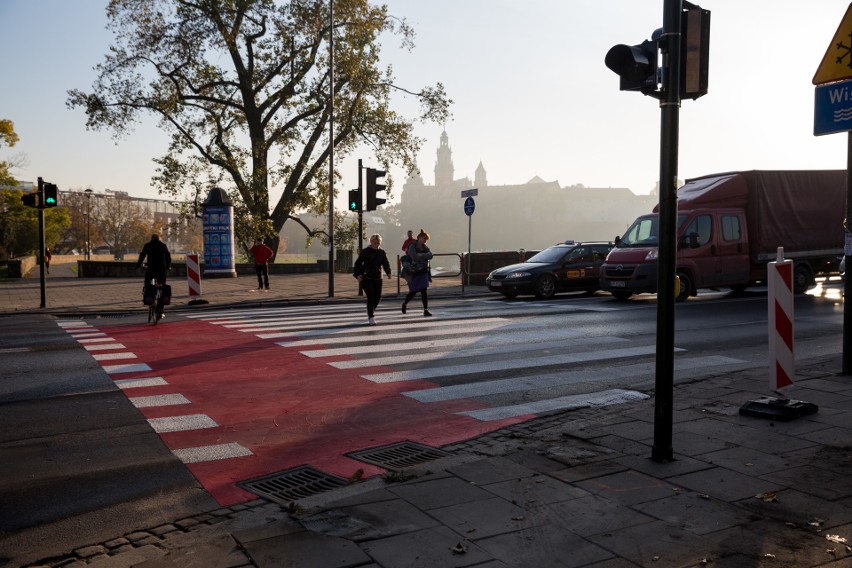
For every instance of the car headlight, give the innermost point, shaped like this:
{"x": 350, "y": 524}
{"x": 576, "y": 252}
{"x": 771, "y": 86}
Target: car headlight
{"x": 518, "y": 275}
{"x": 652, "y": 254}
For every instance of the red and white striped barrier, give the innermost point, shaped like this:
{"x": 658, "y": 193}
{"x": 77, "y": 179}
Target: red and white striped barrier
{"x": 193, "y": 275}
{"x": 781, "y": 360}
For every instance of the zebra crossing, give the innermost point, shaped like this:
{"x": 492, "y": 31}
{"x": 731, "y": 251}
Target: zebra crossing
{"x": 527, "y": 357}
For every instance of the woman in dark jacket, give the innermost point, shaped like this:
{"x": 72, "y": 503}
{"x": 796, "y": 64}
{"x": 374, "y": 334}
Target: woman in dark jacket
{"x": 368, "y": 271}
{"x": 420, "y": 277}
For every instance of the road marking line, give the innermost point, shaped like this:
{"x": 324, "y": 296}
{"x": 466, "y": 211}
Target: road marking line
{"x": 158, "y": 400}
{"x": 362, "y": 333}
{"x": 72, "y": 324}
{"x": 212, "y": 453}
{"x": 476, "y": 340}
{"x": 113, "y": 356}
{"x": 603, "y": 398}
{"x": 79, "y": 335}
{"x": 139, "y": 383}
{"x": 181, "y": 423}
{"x": 95, "y": 340}
{"x": 15, "y": 350}
{"x": 104, "y": 346}
{"x": 126, "y": 368}
{"x": 480, "y": 349}
{"x": 517, "y": 384}
{"x": 491, "y": 366}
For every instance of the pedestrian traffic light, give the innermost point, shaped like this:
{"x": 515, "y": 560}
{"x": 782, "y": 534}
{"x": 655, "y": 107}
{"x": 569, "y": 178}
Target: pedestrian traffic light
{"x": 636, "y": 65}
{"x": 694, "y": 51}
{"x": 50, "y": 195}
{"x": 354, "y": 199}
{"x": 372, "y": 188}
{"x": 30, "y": 199}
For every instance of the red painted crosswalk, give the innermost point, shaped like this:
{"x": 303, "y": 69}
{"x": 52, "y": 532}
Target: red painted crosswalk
{"x": 272, "y": 407}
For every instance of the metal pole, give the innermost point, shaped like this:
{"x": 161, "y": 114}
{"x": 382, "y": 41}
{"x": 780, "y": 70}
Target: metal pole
{"x": 666, "y": 265}
{"x": 331, "y": 148}
{"x": 41, "y": 241}
{"x": 847, "y": 287}
{"x": 88, "y": 194}
{"x": 360, "y": 222}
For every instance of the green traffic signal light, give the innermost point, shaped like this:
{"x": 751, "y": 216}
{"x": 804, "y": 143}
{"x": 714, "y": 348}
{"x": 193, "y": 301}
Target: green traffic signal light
{"x": 50, "y": 195}
{"x": 354, "y": 200}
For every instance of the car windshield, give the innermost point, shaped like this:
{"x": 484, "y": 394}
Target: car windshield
{"x": 645, "y": 231}
{"x": 548, "y": 255}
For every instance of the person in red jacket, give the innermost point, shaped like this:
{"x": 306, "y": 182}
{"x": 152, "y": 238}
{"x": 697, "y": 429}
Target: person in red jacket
{"x": 262, "y": 255}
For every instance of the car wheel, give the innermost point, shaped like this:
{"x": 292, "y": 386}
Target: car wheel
{"x": 621, "y": 295}
{"x": 802, "y": 278}
{"x": 545, "y": 286}
{"x": 510, "y": 295}
{"x": 685, "y": 287}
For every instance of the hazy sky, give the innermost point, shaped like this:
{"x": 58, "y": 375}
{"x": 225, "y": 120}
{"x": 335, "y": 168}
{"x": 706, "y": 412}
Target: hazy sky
{"x": 532, "y": 94}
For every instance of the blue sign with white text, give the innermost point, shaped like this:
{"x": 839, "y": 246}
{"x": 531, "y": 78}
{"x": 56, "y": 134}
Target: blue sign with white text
{"x": 833, "y": 108}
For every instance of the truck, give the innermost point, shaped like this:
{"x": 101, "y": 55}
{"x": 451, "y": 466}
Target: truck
{"x": 730, "y": 225}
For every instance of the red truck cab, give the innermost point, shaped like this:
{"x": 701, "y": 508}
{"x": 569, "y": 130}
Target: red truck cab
{"x": 730, "y": 225}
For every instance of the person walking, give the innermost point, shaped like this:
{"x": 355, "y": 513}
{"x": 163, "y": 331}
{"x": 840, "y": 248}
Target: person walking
{"x": 368, "y": 270}
{"x": 262, "y": 255}
{"x": 420, "y": 278}
{"x": 404, "y": 260}
{"x": 47, "y": 257}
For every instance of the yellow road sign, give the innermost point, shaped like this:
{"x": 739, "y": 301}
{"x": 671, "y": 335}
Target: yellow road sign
{"x": 837, "y": 63}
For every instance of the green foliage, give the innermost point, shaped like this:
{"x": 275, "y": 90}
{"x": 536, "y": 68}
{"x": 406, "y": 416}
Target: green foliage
{"x": 243, "y": 87}
{"x": 19, "y": 225}
{"x": 9, "y": 138}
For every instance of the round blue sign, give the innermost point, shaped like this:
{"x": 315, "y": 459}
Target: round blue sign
{"x": 469, "y": 206}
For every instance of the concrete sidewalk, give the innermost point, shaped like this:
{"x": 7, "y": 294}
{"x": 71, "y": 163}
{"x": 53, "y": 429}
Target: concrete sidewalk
{"x": 65, "y": 293}
{"x": 574, "y": 489}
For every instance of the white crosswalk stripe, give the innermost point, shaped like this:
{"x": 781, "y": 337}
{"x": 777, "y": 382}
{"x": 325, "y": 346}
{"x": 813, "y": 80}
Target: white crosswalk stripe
{"x": 521, "y": 363}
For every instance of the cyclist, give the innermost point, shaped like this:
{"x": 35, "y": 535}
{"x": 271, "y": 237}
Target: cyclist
{"x": 159, "y": 260}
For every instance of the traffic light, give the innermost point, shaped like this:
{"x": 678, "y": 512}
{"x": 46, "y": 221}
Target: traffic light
{"x": 636, "y": 65}
{"x": 354, "y": 200}
{"x": 694, "y": 51}
{"x": 30, "y": 199}
{"x": 373, "y": 188}
{"x": 50, "y": 195}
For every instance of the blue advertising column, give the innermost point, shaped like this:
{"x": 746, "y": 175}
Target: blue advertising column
{"x": 217, "y": 220}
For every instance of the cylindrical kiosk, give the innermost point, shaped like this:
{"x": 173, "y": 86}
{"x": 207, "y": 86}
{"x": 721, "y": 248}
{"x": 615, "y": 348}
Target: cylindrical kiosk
{"x": 217, "y": 216}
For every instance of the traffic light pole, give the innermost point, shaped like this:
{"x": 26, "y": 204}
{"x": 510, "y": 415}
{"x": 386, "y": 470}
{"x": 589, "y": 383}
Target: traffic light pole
{"x": 666, "y": 265}
{"x": 41, "y": 241}
{"x": 360, "y": 220}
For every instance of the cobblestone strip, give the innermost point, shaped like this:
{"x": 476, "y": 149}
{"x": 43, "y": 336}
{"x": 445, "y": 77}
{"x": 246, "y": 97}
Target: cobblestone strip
{"x": 151, "y": 542}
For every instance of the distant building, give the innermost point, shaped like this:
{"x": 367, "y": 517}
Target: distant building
{"x": 531, "y": 215}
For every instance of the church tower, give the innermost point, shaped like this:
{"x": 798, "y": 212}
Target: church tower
{"x": 479, "y": 179}
{"x": 444, "y": 164}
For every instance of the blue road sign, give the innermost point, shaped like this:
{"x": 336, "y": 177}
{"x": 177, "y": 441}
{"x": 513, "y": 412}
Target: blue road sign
{"x": 833, "y": 108}
{"x": 469, "y": 206}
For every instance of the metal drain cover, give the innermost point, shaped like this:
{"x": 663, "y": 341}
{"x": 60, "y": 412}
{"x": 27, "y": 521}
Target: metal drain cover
{"x": 288, "y": 486}
{"x": 398, "y": 456}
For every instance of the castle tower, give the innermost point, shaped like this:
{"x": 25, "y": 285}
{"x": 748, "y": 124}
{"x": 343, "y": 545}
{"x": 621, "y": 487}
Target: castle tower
{"x": 444, "y": 164}
{"x": 480, "y": 180}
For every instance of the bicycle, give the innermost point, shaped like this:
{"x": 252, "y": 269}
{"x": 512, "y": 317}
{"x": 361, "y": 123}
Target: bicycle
{"x": 155, "y": 309}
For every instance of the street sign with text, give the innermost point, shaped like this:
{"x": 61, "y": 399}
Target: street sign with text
{"x": 833, "y": 108}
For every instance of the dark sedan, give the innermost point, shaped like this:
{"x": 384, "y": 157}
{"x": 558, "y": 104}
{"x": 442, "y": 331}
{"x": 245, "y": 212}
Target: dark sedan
{"x": 568, "y": 267}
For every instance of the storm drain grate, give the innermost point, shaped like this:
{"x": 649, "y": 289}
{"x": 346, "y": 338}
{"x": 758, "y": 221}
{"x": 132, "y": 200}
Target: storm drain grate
{"x": 398, "y": 456}
{"x": 287, "y": 486}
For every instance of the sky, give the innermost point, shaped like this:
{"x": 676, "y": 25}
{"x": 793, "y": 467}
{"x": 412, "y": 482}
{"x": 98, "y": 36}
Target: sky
{"x": 532, "y": 96}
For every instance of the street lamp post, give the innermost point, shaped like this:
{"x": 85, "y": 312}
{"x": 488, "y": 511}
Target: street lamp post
{"x": 88, "y": 194}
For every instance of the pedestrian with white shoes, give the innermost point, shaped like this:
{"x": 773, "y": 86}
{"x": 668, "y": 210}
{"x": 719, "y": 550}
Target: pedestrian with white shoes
{"x": 368, "y": 271}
